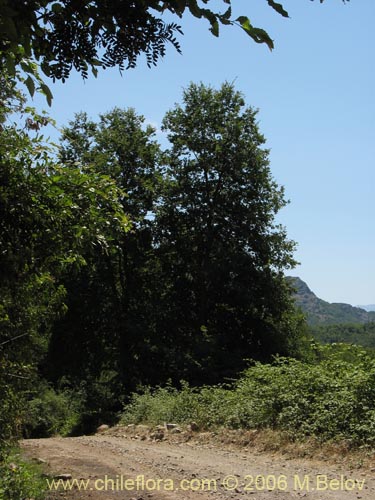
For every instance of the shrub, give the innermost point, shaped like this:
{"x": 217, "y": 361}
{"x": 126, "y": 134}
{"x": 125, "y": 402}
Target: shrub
{"x": 51, "y": 413}
{"x": 20, "y": 479}
{"x": 330, "y": 398}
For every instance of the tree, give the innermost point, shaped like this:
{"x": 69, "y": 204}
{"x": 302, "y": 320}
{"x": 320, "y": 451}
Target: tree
{"x": 52, "y": 218}
{"x": 201, "y": 272}
{"x": 109, "y": 313}
{"x": 222, "y": 254}
{"x": 89, "y": 34}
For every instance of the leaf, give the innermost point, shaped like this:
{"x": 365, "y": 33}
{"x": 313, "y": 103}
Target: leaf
{"x": 10, "y": 65}
{"x": 215, "y": 28}
{"x": 227, "y": 14}
{"x": 56, "y": 8}
{"x": 29, "y": 82}
{"x": 47, "y": 92}
{"x": 9, "y": 28}
{"x": 257, "y": 34}
{"x": 29, "y": 67}
{"x": 278, "y": 7}
{"x": 194, "y": 9}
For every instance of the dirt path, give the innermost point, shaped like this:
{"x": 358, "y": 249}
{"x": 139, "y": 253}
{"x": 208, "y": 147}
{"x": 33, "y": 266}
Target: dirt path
{"x": 161, "y": 470}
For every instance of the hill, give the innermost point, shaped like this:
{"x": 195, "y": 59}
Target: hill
{"x": 368, "y": 308}
{"x": 320, "y": 312}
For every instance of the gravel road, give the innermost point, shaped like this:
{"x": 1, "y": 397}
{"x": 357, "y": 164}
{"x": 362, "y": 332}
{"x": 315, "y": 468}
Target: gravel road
{"x": 128, "y": 467}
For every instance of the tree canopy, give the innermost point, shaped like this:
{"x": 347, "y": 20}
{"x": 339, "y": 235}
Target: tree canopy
{"x": 91, "y": 34}
{"x": 200, "y": 274}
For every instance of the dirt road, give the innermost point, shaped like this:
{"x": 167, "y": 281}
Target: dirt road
{"x": 126, "y": 467}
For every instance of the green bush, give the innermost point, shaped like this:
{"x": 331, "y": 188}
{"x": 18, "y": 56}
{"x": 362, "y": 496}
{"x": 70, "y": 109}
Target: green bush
{"x": 330, "y": 398}
{"x": 51, "y": 413}
{"x": 20, "y": 479}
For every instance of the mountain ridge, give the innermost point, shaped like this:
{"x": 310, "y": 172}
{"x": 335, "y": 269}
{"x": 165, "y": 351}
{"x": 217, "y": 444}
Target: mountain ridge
{"x": 321, "y": 312}
{"x": 368, "y": 307}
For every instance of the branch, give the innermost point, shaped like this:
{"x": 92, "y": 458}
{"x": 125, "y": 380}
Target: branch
{"x": 14, "y": 338}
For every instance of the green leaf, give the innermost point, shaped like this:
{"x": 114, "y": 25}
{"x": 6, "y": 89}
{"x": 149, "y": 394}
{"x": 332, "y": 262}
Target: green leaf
{"x": 227, "y": 14}
{"x": 10, "y": 65}
{"x": 29, "y": 82}
{"x": 29, "y": 67}
{"x": 195, "y": 9}
{"x": 278, "y": 7}
{"x": 47, "y": 92}
{"x": 257, "y": 34}
{"x": 215, "y": 28}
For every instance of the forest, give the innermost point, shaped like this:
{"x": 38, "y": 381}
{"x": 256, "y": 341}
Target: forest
{"x": 124, "y": 264}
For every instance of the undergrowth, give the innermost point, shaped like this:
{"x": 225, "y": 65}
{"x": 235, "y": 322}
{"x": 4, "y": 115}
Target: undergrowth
{"x": 330, "y": 398}
{"x": 20, "y": 479}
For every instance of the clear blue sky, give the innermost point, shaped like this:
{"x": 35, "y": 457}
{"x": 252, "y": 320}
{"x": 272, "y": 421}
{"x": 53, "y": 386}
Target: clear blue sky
{"x": 315, "y": 94}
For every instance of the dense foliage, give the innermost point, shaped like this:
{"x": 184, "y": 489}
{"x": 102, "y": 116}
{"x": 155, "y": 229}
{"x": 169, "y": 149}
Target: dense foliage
{"x": 51, "y": 216}
{"x": 201, "y": 272}
{"x": 350, "y": 333}
{"x": 20, "y": 479}
{"x": 330, "y": 398}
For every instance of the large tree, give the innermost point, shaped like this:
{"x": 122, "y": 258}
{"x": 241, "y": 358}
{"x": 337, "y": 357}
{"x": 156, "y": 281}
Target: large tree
{"x": 200, "y": 274}
{"x": 109, "y": 311}
{"x": 220, "y": 249}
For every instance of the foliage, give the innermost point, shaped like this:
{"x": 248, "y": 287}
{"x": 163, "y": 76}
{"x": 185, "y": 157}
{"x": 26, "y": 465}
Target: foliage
{"x": 221, "y": 253}
{"x": 351, "y": 333}
{"x": 330, "y": 399}
{"x": 100, "y": 395}
{"x": 65, "y": 34}
{"x": 199, "y": 275}
{"x": 11, "y": 404}
{"x": 20, "y": 479}
{"x": 49, "y": 413}
{"x": 51, "y": 215}
{"x": 108, "y": 300}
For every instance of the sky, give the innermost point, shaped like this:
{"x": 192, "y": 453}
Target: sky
{"x": 315, "y": 95}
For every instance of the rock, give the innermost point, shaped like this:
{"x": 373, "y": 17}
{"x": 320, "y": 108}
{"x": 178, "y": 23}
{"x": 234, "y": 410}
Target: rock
{"x": 170, "y": 426}
{"x": 102, "y": 428}
{"x": 130, "y": 426}
{"x": 175, "y": 430}
{"x": 157, "y": 436}
{"x": 193, "y": 426}
{"x": 41, "y": 460}
{"x": 64, "y": 477}
{"x": 13, "y": 466}
{"x": 142, "y": 427}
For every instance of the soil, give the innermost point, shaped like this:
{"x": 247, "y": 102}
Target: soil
{"x": 138, "y": 463}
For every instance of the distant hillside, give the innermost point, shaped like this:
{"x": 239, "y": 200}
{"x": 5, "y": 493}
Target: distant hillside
{"x": 369, "y": 307}
{"x": 320, "y": 312}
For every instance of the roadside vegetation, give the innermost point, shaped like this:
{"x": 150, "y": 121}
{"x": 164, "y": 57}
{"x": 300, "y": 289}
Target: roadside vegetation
{"x": 20, "y": 479}
{"x": 330, "y": 398}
